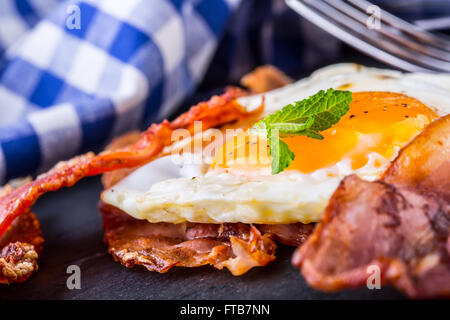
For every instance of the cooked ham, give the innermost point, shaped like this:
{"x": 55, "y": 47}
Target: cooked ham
{"x": 161, "y": 246}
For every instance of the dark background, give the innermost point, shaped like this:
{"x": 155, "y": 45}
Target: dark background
{"x": 72, "y": 229}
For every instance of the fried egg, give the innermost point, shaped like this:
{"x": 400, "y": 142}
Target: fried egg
{"x": 235, "y": 184}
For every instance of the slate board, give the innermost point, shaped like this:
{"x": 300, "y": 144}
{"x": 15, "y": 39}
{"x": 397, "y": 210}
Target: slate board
{"x": 72, "y": 229}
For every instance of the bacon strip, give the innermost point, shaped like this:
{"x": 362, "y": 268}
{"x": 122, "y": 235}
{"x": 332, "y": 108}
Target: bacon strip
{"x": 161, "y": 246}
{"x": 400, "y": 225}
{"x": 217, "y": 111}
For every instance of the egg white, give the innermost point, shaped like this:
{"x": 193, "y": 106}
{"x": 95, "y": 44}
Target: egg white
{"x": 165, "y": 191}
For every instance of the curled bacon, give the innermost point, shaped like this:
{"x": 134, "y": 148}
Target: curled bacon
{"x": 217, "y": 111}
{"x": 400, "y": 224}
{"x": 161, "y": 246}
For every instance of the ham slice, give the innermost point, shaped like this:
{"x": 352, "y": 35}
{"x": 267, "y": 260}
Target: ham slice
{"x": 161, "y": 246}
{"x": 400, "y": 224}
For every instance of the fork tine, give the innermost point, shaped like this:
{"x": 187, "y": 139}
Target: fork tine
{"x": 347, "y": 24}
{"x": 390, "y": 32}
{"x": 353, "y": 40}
{"x": 372, "y": 36}
{"x": 442, "y": 41}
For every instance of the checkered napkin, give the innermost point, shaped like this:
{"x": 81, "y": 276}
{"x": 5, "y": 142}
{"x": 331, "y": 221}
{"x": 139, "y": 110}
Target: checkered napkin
{"x": 73, "y": 74}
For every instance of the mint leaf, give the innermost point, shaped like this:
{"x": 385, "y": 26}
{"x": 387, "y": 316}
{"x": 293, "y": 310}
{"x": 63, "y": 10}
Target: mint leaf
{"x": 290, "y": 128}
{"x": 306, "y": 117}
{"x": 312, "y": 134}
{"x": 327, "y": 107}
{"x": 280, "y": 153}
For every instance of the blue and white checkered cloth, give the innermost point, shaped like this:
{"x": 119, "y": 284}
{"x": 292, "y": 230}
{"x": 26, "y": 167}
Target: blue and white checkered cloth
{"x": 74, "y": 74}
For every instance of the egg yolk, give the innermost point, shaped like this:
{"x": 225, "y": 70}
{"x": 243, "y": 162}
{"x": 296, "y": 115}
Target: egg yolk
{"x": 377, "y": 122}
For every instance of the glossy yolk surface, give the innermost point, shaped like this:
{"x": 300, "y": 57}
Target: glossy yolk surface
{"x": 378, "y": 122}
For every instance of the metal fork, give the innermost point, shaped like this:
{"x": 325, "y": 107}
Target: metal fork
{"x": 392, "y": 40}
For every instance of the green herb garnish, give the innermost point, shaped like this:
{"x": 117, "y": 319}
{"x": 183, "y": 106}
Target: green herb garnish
{"x": 304, "y": 118}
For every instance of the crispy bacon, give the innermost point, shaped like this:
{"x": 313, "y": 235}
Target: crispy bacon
{"x": 20, "y": 247}
{"x": 161, "y": 246}
{"x": 400, "y": 224}
{"x": 218, "y": 110}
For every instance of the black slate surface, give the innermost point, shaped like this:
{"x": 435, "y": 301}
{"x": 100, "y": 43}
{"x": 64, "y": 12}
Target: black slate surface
{"x": 72, "y": 229}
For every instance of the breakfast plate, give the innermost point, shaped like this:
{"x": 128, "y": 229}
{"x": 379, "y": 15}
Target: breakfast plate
{"x": 350, "y": 165}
